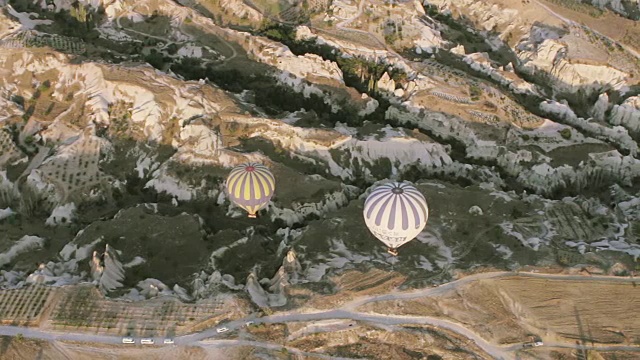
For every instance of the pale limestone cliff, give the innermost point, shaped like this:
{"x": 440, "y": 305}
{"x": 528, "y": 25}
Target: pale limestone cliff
{"x": 627, "y": 114}
{"x": 279, "y": 56}
{"x": 549, "y": 59}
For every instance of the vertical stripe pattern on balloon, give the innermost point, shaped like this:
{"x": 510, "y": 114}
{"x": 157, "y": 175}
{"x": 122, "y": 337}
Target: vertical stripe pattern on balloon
{"x": 250, "y": 186}
{"x": 395, "y": 213}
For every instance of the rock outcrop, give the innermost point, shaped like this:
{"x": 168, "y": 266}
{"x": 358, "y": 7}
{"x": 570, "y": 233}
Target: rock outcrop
{"x": 548, "y": 60}
{"x": 628, "y": 8}
{"x": 107, "y": 270}
{"x": 302, "y": 66}
{"x": 627, "y": 114}
{"x": 298, "y": 212}
{"x": 617, "y": 134}
{"x": 276, "y": 295}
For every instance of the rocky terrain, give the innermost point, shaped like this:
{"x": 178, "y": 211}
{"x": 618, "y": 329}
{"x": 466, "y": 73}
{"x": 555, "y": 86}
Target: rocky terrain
{"x": 120, "y": 120}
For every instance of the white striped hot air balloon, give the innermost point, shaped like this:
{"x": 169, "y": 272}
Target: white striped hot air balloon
{"x": 250, "y": 186}
{"x": 395, "y": 213}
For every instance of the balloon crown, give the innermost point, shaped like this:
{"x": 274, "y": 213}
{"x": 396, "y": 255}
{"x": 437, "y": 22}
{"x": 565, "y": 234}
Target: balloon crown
{"x": 397, "y": 190}
{"x": 250, "y": 168}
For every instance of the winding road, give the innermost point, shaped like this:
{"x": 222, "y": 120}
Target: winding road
{"x": 211, "y": 338}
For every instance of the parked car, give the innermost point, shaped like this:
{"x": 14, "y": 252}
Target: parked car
{"x": 128, "y": 340}
{"x": 147, "y": 342}
{"x": 222, "y": 329}
{"x": 168, "y": 341}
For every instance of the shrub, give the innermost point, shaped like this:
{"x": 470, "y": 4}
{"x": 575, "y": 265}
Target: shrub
{"x": 18, "y": 100}
{"x": 565, "y": 133}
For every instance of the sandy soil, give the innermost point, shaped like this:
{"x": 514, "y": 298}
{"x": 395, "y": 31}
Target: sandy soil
{"x": 13, "y": 349}
{"x": 610, "y": 24}
{"x": 512, "y": 309}
{"x": 404, "y": 343}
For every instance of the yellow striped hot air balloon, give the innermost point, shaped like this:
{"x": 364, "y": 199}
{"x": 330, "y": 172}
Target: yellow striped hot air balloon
{"x": 251, "y": 186}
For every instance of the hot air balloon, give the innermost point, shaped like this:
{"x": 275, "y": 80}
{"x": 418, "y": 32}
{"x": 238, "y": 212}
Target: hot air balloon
{"x": 250, "y": 186}
{"x": 395, "y": 213}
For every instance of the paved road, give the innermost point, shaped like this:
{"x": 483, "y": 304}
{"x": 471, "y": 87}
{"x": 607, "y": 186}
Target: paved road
{"x": 49, "y": 335}
{"x": 349, "y": 312}
{"x": 495, "y": 351}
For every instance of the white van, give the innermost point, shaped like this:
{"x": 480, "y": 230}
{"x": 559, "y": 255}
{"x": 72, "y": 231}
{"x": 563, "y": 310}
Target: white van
{"x": 128, "y": 340}
{"x": 168, "y": 341}
{"x": 147, "y": 342}
{"x": 222, "y": 329}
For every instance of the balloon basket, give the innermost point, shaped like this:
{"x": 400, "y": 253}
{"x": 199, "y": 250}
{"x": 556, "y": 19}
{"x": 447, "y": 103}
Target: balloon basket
{"x": 392, "y": 251}
{"x": 252, "y": 216}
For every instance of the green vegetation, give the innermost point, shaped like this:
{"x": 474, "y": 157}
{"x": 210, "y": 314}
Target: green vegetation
{"x": 580, "y": 6}
{"x": 475, "y": 92}
{"x": 359, "y": 73}
{"x": 23, "y": 305}
{"x": 392, "y": 32}
{"x": 565, "y": 133}
{"x": 78, "y": 22}
{"x": 18, "y": 100}
{"x": 157, "y": 60}
{"x": 457, "y": 31}
{"x": 271, "y": 96}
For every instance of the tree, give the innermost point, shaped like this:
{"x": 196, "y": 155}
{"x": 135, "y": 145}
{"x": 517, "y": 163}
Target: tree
{"x": 172, "y": 48}
{"x": 156, "y": 60}
{"x": 565, "y": 133}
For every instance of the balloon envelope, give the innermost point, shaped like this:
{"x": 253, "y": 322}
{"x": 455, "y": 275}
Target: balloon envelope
{"x": 395, "y": 213}
{"x": 250, "y": 186}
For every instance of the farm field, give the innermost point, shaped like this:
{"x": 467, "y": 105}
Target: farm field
{"x": 83, "y": 308}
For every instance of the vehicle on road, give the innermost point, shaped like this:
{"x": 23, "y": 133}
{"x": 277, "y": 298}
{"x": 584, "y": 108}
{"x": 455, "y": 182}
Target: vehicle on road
{"x": 221, "y": 330}
{"x": 538, "y": 343}
{"x": 527, "y": 345}
{"x": 128, "y": 340}
{"x": 147, "y": 342}
{"x": 249, "y": 323}
{"x": 168, "y": 341}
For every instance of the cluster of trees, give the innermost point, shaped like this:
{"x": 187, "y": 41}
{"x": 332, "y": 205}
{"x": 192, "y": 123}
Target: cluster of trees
{"x": 80, "y": 21}
{"x": 475, "y": 92}
{"x": 458, "y": 32}
{"x": 269, "y": 95}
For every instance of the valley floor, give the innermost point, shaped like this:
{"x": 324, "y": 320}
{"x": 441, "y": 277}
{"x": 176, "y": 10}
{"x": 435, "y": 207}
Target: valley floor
{"x": 597, "y": 326}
